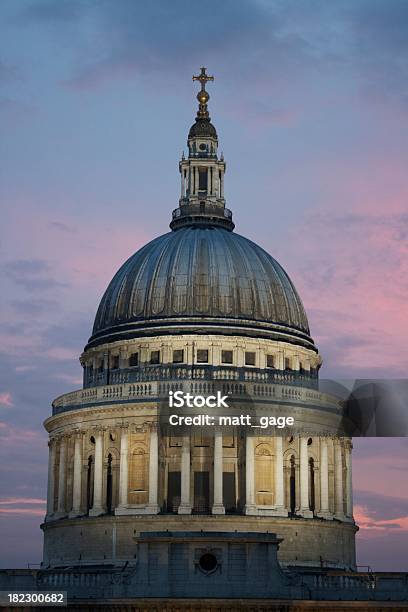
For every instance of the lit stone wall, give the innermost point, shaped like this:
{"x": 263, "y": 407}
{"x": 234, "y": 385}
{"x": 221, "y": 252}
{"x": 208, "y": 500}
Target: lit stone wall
{"x": 110, "y": 462}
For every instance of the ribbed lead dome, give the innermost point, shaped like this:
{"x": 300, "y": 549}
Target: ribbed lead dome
{"x": 203, "y": 280}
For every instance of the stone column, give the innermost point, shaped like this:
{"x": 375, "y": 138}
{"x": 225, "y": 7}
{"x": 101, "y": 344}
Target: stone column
{"x": 123, "y": 469}
{"x": 250, "y": 507}
{"x": 218, "y": 506}
{"x": 153, "y": 507}
{"x": 105, "y": 368}
{"x": 338, "y": 479}
{"x": 304, "y": 480}
{"x": 216, "y": 354}
{"x": 324, "y": 480}
{"x": 279, "y": 490}
{"x": 216, "y": 183}
{"x": 77, "y": 481}
{"x": 349, "y": 480}
{"x": 123, "y": 358}
{"x": 62, "y": 477}
{"x": 97, "y": 508}
{"x": 185, "y": 503}
{"x": 240, "y": 350}
{"x": 51, "y": 479}
{"x": 190, "y": 353}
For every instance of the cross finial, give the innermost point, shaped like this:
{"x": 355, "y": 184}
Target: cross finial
{"x": 203, "y": 96}
{"x": 203, "y": 78}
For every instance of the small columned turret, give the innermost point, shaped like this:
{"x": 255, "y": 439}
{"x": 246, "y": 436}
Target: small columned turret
{"x": 202, "y": 199}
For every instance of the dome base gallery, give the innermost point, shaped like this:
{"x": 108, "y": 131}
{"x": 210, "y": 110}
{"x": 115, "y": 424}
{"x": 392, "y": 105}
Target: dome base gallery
{"x": 199, "y": 311}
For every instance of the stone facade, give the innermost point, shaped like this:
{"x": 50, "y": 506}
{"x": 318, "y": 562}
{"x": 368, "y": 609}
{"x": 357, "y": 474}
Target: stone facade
{"x": 111, "y": 465}
{"x": 198, "y": 310}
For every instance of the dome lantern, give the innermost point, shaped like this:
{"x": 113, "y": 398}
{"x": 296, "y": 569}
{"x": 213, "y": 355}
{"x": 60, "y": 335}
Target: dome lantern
{"x": 202, "y": 199}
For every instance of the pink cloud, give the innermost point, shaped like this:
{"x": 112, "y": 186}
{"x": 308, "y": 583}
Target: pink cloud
{"x": 21, "y": 505}
{"x": 10, "y": 436}
{"x": 72, "y": 380}
{"x": 30, "y": 511}
{"x": 78, "y": 267}
{"x": 25, "y": 368}
{"x": 21, "y": 500}
{"x": 61, "y": 353}
{"x": 369, "y": 525}
{"x": 6, "y": 399}
{"x": 352, "y": 278}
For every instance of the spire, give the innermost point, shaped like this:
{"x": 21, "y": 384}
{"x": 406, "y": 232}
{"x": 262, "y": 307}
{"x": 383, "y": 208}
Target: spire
{"x": 202, "y": 199}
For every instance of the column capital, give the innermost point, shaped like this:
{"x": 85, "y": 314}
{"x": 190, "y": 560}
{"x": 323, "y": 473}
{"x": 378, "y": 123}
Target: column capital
{"x": 77, "y": 433}
{"x": 348, "y": 444}
{"x": 122, "y": 425}
{"x": 154, "y": 426}
{"x": 98, "y": 430}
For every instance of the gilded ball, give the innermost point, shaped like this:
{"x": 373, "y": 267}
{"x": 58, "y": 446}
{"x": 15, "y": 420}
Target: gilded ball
{"x": 203, "y": 97}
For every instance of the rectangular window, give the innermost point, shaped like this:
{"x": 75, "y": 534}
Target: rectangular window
{"x": 226, "y": 356}
{"x": 287, "y": 363}
{"x": 178, "y": 356}
{"x": 100, "y": 365}
{"x": 133, "y": 360}
{"x": 249, "y": 358}
{"x": 202, "y": 356}
{"x": 173, "y": 491}
{"x": 155, "y": 357}
{"x": 115, "y": 362}
{"x": 270, "y": 361}
{"x": 202, "y": 179}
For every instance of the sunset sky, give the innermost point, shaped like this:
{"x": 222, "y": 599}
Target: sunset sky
{"x": 310, "y": 102}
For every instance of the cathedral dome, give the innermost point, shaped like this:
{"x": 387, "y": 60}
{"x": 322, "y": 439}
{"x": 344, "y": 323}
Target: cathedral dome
{"x": 201, "y": 278}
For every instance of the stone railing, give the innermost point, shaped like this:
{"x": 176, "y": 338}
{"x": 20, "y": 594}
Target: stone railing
{"x": 156, "y": 390}
{"x": 358, "y": 585}
{"x": 106, "y": 583}
{"x": 148, "y": 372}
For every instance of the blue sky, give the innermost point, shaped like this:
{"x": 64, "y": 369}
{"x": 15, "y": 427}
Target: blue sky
{"x": 310, "y": 101}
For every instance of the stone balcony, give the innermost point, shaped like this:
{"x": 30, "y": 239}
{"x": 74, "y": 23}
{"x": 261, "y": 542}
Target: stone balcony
{"x": 157, "y": 390}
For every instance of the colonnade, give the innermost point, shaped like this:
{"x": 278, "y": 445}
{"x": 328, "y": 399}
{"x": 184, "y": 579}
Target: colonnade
{"x": 190, "y": 180}
{"x": 341, "y": 507}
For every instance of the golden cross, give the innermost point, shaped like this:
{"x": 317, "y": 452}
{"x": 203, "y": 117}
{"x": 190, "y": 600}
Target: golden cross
{"x": 203, "y": 78}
